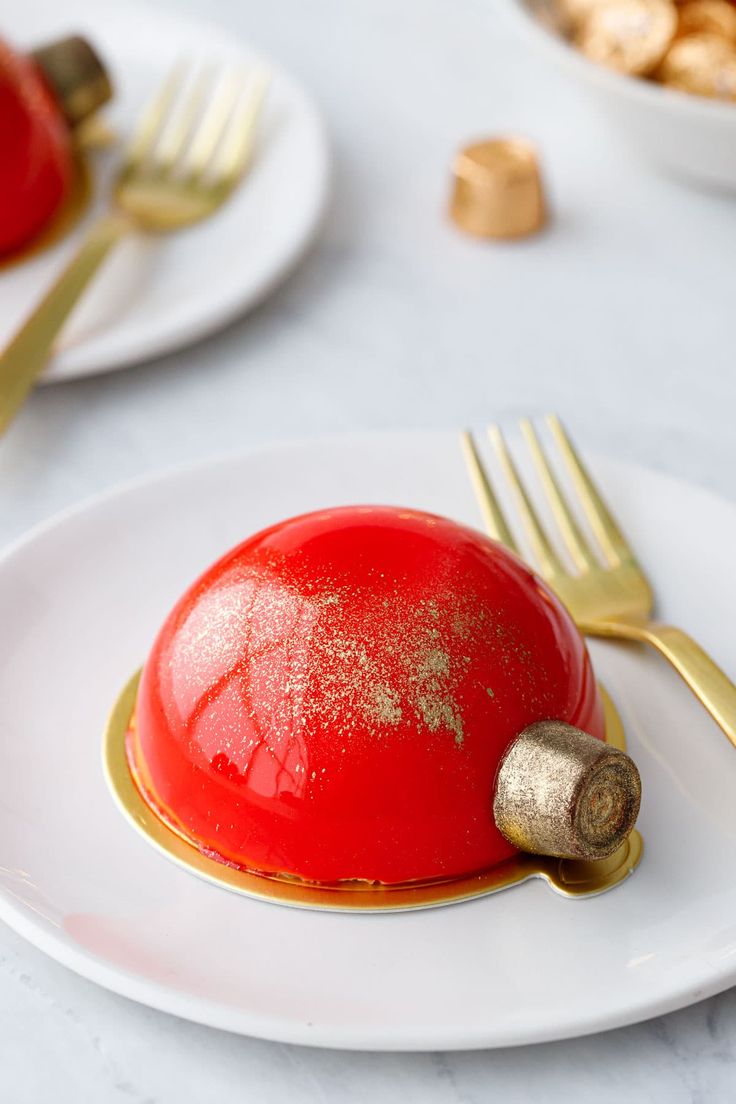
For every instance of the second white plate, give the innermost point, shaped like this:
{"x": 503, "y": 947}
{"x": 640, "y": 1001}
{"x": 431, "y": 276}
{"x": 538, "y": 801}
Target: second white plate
{"x": 80, "y": 601}
{"x": 155, "y": 295}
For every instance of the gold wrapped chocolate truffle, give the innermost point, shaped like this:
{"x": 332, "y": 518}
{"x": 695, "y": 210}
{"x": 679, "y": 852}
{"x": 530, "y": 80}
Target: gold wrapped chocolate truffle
{"x": 704, "y": 64}
{"x": 573, "y": 13}
{"x": 498, "y": 190}
{"x": 631, "y": 36}
{"x": 716, "y": 17}
{"x": 561, "y": 792}
{"x": 689, "y": 45}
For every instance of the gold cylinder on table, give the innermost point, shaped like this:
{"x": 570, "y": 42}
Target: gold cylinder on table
{"x": 497, "y": 191}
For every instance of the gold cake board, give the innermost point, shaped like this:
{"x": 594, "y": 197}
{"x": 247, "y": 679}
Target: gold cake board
{"x": 571, "y": 878}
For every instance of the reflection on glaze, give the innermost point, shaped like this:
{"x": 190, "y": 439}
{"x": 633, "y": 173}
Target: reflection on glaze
{"x": 332, "y": 698}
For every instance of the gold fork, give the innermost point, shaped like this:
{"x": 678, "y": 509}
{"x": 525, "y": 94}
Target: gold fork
{"x": 190, "y": 150}
{"x": 608, "y": 594}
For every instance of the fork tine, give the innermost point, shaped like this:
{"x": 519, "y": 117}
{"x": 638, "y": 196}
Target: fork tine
{"x": 181, "y": 125}
{"x": 231, "y": 160}
{"x": 152, "y": 118}
{"x": 490, "y": 508}
{"x": 213, "y": 123}
{"x": 547, "y": 559}
{"x": 575, "y": 542}
{"x": 611, "y": 539}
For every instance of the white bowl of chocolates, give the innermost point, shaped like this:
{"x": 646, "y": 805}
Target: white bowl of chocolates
{"x": 662, "y": 71}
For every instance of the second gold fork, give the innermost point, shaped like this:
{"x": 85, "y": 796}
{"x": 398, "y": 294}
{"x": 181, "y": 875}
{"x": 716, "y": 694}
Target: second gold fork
{"x": 607, "y": 593}
{"x": 189, "y": 152}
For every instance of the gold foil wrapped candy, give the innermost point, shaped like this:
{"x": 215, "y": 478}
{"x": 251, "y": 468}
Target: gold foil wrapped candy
{"x": 689, "y": 45}
{"x": 497, "y": 190}
{"x": 573, "y": 13}
{"x": 631, "y": 36}
{"x": 716, "y": 17}
{"x": 704, "y": 64}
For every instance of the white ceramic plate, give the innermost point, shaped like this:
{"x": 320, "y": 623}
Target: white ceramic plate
{"x": 158, "y": 294}
{"x": 80, "y": 601}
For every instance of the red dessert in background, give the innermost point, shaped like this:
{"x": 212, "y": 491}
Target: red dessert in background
{"x": 331, "y": 699}
{"x": 42, "y": 97}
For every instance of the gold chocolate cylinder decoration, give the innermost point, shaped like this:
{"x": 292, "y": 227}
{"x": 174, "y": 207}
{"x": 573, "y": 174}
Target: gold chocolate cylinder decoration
{"x": 561, "y": 792}
{"x": 76, "y": 74}
{"x": 631, "y": 36}
{"x": 497, "y": 189}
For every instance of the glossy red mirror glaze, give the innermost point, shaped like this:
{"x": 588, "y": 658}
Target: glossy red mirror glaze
{"x": 36, "y": 158}
{"x": 332, "y": 698}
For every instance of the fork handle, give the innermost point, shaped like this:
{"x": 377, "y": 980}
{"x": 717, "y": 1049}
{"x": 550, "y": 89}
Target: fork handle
{"x": 704, "y": 677}
{"x": 24, "y": 357}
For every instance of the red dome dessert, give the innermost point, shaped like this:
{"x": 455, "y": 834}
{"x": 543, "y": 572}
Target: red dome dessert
{"x": 43, "y": 96}
{"x": 332, "y": 699}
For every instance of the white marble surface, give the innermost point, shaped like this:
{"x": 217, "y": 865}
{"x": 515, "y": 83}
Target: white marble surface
{"x": 620, "y": 316}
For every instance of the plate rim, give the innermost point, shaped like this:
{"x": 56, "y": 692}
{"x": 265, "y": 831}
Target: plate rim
{"x": 226, "y": 457}
{"x": 293, "y": 1030}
